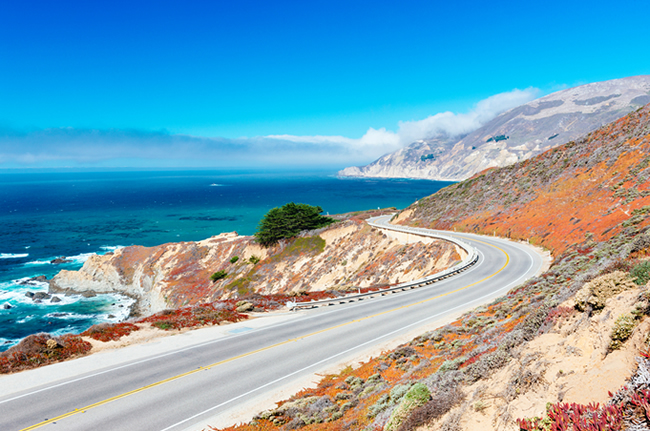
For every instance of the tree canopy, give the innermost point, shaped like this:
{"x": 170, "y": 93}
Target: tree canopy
{"x": 288, "y": 221}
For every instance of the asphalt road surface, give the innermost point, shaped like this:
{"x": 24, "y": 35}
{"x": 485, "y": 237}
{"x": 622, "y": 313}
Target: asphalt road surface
{"x": 182, "y": 389}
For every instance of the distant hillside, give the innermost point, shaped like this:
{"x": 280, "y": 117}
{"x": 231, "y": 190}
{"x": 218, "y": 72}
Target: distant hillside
{"x": 515, "y": 135}
{"x": 580, "y": 190}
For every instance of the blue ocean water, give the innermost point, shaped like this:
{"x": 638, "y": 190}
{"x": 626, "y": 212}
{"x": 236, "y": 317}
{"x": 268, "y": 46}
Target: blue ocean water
{"x": 75, "y": 214}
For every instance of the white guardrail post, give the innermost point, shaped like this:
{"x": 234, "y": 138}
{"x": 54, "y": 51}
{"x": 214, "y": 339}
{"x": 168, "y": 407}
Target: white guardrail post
{"x": 381, "y": 222}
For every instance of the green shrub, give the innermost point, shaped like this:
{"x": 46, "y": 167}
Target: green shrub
{"x": 623, "y": 328}
{"x": 218, "y": 275}
{"x": 641, "y": 273}
{"x": 254, "y": 260}
{"x": 234, "y": 259}
{"x": 418, "y": 395}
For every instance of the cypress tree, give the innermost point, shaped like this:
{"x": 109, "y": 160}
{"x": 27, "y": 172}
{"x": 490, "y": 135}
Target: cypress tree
{"x": 288, "y": 221}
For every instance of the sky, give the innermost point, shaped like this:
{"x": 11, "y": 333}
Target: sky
{"x": 313, "y": 83}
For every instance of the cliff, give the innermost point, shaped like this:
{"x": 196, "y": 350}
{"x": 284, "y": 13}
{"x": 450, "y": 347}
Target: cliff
{"x": 346, "y": 255}
{"x": 515, "y": 135}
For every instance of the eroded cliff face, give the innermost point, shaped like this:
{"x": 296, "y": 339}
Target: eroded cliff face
{"x": 345, "y": 255}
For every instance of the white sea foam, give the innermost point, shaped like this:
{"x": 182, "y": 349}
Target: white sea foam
{"x": 80, "y": 258}
{"x": 120, "y": 313}
{"x": 13, "y": 255}
{"x": 68, "y": 316}
{"x": 216, "y": 185}
{"x": 111, "y": 247}
{"x": 39, "y": 262}
{"x": 32, "y": 283}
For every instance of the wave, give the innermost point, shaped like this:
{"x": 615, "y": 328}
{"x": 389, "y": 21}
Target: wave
{"x": 111, "y": 247}
{"x": 38, "y": 262}
{"x": 80, "y": 258}
{"x": 68, "y": 316}
{"x": 13, "y": 255}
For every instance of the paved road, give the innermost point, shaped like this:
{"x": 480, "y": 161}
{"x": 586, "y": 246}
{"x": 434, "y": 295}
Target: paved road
{"x": 180, "y": 390}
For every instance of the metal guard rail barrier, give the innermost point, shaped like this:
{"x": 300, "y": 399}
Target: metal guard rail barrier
{"x": 470, "y": 260}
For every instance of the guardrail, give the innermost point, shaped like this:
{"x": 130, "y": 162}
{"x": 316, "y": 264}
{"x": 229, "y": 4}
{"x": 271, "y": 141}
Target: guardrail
{"x": 470, "y": 260}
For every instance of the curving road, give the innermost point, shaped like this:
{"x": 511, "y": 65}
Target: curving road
{"x": 212, "y": 375}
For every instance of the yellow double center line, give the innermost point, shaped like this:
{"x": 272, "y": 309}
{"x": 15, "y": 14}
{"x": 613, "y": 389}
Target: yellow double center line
{"x": 243, "y": 355}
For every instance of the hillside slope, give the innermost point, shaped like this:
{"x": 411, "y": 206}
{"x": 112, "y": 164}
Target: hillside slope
{"x": 576, "y": 191}
{"x": 515, "y": 135}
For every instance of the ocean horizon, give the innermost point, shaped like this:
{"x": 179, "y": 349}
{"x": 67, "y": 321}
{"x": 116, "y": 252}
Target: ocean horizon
{"x": 48, "y": 214}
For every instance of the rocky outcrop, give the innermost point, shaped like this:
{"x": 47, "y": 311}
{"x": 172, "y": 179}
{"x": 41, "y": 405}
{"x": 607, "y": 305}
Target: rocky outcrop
{"x": 515, "y": 135}
{"x": 346, "y": 255}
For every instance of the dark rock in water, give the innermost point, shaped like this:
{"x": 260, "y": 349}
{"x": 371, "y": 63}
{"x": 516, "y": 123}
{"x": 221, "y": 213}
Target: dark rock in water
{"x": 120, "y": 306}
{"x": 41, "y": 295}
{"x": 60, "y": 260}
{"x": 34, "y": 281}
{"x": 55, "y": 299}
{"x": 88, "y": 294}
{"x": 6, "y": 307}
{"x": 110, "y": 316}
{"x": 29, "y": 294}
{"x": 58, "y": 314}
{"x": 38, "y": 301}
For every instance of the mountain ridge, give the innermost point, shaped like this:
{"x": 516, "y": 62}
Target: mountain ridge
{"x": 515, "y": 135}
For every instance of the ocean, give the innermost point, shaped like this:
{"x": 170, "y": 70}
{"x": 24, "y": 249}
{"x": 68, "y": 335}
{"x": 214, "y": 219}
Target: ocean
{"x": 72, "y": 214}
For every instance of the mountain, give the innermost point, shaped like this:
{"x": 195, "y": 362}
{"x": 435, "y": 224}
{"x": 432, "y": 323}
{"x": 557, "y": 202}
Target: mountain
{"x": 515, "y": 135}
{"x": 580, "y": 191}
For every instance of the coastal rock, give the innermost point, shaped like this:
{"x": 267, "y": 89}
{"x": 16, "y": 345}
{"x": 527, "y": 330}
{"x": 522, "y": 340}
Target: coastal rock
{"x": 60, "y": 260}
{"x": 7, "y": 306}
{"x": 52, "y": 344}
{"x": 40, "y": 296}
{"x": 244, "y": 307}
{"x": 34, "y": 281}
{"x": 55, "y": 299}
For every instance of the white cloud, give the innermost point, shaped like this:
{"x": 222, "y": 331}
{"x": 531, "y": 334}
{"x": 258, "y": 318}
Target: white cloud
{"x": 377, "y": 142}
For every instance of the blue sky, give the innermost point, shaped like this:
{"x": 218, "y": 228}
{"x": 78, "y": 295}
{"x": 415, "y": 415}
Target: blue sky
{"x": 249, "y": 69}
